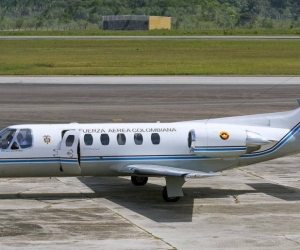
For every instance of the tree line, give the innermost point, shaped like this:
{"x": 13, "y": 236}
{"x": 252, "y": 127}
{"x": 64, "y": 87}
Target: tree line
{"x": 186, "y": 14}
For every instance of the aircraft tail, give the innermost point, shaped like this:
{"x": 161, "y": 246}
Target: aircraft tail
{"x": 286, "y": 119}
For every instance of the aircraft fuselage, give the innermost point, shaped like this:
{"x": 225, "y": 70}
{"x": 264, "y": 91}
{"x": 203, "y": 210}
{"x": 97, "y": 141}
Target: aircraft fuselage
{"x": 100, "y": 149}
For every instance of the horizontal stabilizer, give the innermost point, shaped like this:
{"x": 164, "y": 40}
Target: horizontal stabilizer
{"x": 157, "y": 170}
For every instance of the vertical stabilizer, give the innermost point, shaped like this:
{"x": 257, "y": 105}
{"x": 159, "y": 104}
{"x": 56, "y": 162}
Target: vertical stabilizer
{"x": 298, "y": 101}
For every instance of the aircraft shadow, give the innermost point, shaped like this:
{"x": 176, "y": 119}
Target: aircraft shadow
{"x": 147, "y": 200}
{"x": 276, "y": 190}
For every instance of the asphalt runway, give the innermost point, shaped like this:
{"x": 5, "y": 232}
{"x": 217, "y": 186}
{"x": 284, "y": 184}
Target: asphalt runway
{"x": 63, "y": 103}
{"x": 256, "y": 207}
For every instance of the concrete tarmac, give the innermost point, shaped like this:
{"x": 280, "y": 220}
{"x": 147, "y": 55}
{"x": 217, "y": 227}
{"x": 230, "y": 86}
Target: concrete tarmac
{"x": 256, "y": 207}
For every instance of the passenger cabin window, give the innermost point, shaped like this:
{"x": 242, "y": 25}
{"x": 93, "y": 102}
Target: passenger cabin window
{"x": 70, "y": 140}
{"x": 104, "y": 138}
{"x": 155, "y": 138}
{"x": 121, "y": 139}
{"x": 138, "y": 139}
{"x": 88, "y": 139}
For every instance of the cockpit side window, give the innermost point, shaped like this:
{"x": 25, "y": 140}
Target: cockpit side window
{"x": 24, "y": 138}
{"x": 6, "y": 137}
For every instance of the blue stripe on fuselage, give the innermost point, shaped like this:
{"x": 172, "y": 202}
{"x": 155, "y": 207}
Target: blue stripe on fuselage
{"x": 277, "y": 146}
{"x": 143, "y": 158}
{"x": 31, "y": 160}
{"x": 219, "y": 149}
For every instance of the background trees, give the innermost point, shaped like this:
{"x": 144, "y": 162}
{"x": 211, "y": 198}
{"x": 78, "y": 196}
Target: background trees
{"x": 186, "y": 14}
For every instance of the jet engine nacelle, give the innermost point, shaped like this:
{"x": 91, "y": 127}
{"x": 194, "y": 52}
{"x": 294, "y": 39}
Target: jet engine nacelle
{"x": 221, "y": 143}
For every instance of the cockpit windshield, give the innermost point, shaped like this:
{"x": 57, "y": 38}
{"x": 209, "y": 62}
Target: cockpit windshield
{"x": 11, "y": 139}
{"x": 6, "y": 137}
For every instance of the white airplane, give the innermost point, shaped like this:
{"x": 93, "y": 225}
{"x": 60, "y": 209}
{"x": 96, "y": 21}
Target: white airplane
{"x": 175, "y": 151}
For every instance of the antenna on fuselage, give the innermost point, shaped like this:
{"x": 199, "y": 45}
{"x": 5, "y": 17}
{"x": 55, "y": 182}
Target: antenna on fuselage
{"x": 209, "y": 118}
{"x": 253, "y": 97}
{"x": 263, "y": 92}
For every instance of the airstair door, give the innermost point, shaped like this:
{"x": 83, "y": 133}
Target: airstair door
{"x": 70, "y": 153}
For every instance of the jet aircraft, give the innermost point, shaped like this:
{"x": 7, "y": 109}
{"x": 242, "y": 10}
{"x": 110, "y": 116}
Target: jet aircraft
{"x": 175, "y": 151}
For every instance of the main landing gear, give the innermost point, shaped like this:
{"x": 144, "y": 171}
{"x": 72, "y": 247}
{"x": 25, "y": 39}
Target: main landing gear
{"x": 167, "y": 198}
{"x": 139, "y": 180}
{"x": 171, "y": 192}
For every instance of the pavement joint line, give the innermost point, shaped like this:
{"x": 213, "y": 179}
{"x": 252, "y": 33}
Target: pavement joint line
{"x": 118, "y": 214}
{"x": 132, "y": 223}
{"x": 49, "y": 205}
{"x": 250, "y": 173}
{"x": 291, "y": 240}
{"x": 149, "y": 233}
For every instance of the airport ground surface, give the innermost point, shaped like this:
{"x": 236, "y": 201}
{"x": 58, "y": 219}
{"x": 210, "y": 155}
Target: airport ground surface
{"x": 256, "y": 207}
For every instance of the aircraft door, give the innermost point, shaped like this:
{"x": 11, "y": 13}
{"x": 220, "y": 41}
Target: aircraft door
{"x": 70, "y": 153}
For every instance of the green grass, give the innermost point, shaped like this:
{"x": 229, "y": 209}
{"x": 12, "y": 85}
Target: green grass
{"x": 149, "y": 57}
{"x": 98, "y": 32}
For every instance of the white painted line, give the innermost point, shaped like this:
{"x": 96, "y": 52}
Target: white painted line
{"x": 227, "y": 80}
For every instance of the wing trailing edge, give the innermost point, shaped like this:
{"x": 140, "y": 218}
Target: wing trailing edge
{"x": 158, "y": 170}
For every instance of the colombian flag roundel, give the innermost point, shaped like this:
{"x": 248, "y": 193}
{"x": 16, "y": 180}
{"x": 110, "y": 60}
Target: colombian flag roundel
{"x": 224, "y": 135}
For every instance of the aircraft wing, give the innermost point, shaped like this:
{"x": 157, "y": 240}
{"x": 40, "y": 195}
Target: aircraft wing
{"x": 158, "y": 170}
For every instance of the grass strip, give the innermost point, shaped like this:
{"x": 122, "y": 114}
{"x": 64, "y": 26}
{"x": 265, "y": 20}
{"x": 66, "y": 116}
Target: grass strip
{"x": 149, "y": 57}
{"x": 198, "y": 32}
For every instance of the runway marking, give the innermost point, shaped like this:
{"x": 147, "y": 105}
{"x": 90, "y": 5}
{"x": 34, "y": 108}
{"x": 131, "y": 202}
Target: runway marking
{"x": 154, "y": 80}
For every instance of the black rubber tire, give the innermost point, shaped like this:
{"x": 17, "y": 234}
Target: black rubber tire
{"x": 167, "y": 198}
{"x": 139, "y": 180}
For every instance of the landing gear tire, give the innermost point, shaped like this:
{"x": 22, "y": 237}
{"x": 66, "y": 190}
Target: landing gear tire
{"x": 139, "y": 180}
{"x": 167, "y": 198}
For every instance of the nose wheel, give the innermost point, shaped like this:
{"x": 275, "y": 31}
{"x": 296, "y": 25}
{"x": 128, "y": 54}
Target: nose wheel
{"x": 167, "y": 198}
{"x": 139, "y": 180}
